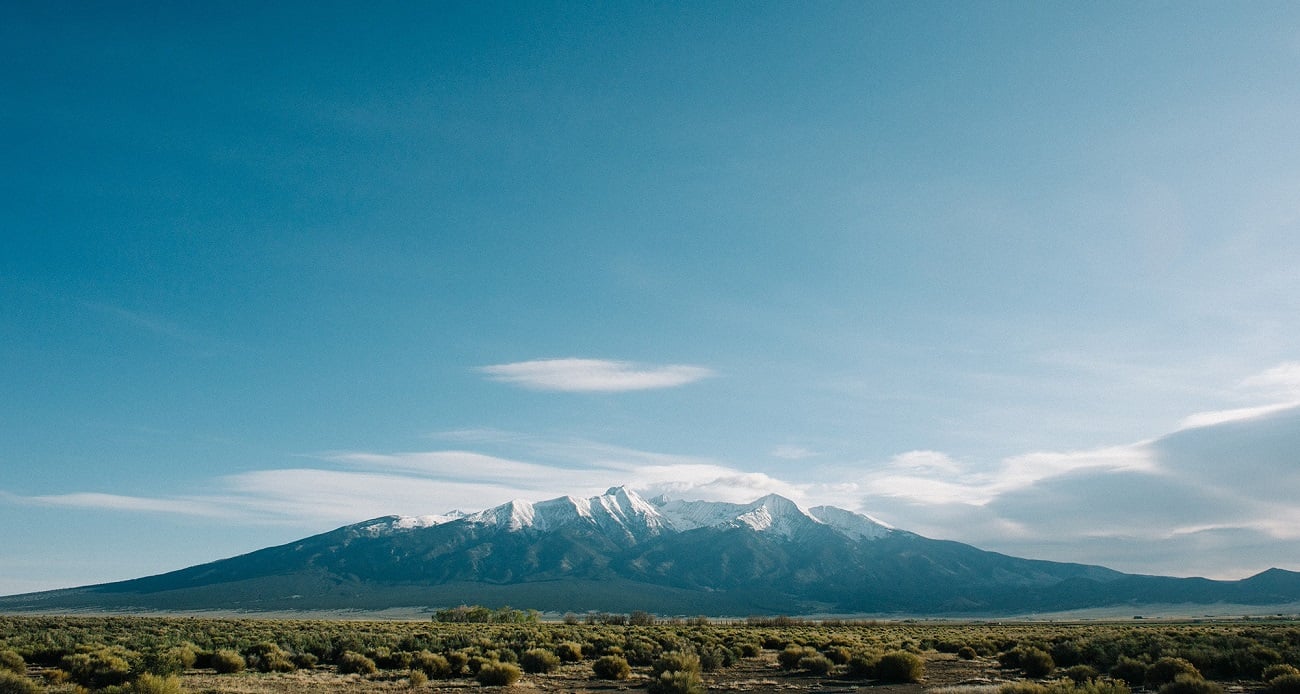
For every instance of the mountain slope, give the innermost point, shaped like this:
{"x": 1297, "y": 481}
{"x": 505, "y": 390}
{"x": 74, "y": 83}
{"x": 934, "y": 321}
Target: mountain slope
{"x": 619, "y": 552}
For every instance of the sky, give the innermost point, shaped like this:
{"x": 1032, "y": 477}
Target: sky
{"x": 1021, "y": 275}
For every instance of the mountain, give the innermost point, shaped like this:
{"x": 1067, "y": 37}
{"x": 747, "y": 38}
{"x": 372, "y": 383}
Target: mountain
{"x": 619, "y": 552}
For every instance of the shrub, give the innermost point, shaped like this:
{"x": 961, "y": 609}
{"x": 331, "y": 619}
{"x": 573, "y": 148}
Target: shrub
{"x": 838, "y": 654}
{"x": 1186, "y": 683}
{"x": 1022, "y": 688}
{"x": 351, "y": 662}
{"x": 900, "y": 666}
{"x": 432, "y": 664}
{"x": 496, "y": 674}
{"x": 1036, "y": 662}
{"x": 154, "y": 684}
{"x": 457, "y": 661}
{"x": 1130, "y": 670}
{"x": 1167, "y": 669}
{"x": 1284, "y": 684}
{"x": 790, "y": 657}
{"x": 1274, "y": 671}
{"x": 569, "y": 652}
{"x": 417, "y": 678}
{"x": 818, "y": 664}
{"x": 863, "y": 664}
{"x": 304, "y": 661}
{"x": 539, "y": 660}
{"x": 227, "y": 662}
{"x": 10, "y": 660}
{"x": 102, "y": 668}
{"x": 675, "y": 661}
{"x": 1080, "y": 673}
{"x": 677, "y": 682}
{"x": 713, "y": 658}
{"x": 14, "y": 683}
{"x": 611, "y": 667}
{"x": 966, "y": 653}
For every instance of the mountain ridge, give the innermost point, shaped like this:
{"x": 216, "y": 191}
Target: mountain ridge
{"x": 619, "y": 552}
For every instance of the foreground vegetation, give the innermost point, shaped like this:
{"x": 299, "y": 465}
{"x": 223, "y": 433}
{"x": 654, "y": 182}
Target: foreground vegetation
{"x": 160, "y": 655}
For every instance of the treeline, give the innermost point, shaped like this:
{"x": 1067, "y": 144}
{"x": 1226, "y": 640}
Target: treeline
{"x": 477, "y": 614}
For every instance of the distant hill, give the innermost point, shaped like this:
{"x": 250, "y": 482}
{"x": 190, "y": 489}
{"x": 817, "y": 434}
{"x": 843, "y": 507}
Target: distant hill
{"x": 618, "y": 552}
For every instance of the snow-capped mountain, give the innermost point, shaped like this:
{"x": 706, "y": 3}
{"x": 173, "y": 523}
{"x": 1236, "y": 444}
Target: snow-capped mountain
{"x": 616, "y": 551}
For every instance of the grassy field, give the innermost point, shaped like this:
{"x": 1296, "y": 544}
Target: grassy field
{"x": 171, "y": 654}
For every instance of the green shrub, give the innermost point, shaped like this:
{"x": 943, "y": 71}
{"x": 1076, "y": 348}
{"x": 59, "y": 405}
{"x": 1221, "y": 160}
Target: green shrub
{"x": 432, "y": 664}
{"x": 817, "y": 664}
{"x": 355, "y": 663}
{"x": 790, "y": 657}
{"x": 966, "y": 653}
{"x": 227, "y": 662}
{"x": 569, "y": 651}
{"x": 457, "y": 661}
{"x": 1274, "y": 671}
{"x": 713, "y": 658}
{"x": 677, "y": 682}
{"x": 149, "y": 683}
{"x": 1130, "y": 670}
{"x": 1080, "y": 673}
{"x": 497, "y": 674}
{"x": 611, "y": 667}
{"x": 1186, "y": 683}
{"x": 900, "y": 666}
{"x": 838, "y": 654}
{"x": 675, "y": 661}
{"x": 10, "y": 660}
{"x": 539, "y": 660}
{"x": 98, "y": 669}
{"x": 1166, "y": 670}
{"x": 862, "y": 664}
{"x": 417, "y": 678}
{"x": 304, "y": 661}
{"x": 14, "y": 683}
{"x": 1284, "y": 684}
{"x": 1035, "y": 662}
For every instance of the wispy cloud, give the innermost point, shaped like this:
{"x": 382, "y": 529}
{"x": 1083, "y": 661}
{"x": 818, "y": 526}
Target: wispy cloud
{"x": 1281, "y": 384}
{"x": 117, "y": 502}
{"x": 788, "y": 452}
{"x": 594, "y": 375}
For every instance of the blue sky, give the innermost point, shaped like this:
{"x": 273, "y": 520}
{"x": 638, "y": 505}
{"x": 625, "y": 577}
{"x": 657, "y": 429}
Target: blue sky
{"x": 1015, "y": 274}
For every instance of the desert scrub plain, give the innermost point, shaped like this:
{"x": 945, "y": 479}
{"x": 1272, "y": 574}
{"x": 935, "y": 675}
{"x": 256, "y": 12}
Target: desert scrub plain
{"x": 148, "y": 655}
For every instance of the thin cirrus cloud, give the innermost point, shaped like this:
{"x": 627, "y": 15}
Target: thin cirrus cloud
{"x": 594, "y": 375}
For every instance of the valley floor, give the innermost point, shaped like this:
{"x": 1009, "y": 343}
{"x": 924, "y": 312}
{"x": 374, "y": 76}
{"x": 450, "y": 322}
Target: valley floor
{"x": 762, "y": 674}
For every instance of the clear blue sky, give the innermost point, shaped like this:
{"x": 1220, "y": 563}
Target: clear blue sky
{"x": 1018, "y": 274}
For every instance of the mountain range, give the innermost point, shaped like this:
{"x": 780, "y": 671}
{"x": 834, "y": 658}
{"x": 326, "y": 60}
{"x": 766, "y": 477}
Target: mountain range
{"x": 619, "y": 552}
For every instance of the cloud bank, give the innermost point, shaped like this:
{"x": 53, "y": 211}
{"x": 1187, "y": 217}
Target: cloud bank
{"x": 593, "y": 375}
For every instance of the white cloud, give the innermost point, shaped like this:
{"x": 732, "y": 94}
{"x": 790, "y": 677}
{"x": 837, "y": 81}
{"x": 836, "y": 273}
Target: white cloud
{"x": 1280, "y": 383}
{"x": 117, "y": 502}
{"x": 1209, "y": 419}
{"x": 1283, "y": 378}
{"x": 788, "y": 452}
{"x": 594, "y": 375}
{"x": 932, "y": 462}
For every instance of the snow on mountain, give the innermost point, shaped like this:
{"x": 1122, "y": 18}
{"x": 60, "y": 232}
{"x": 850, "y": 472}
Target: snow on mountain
{"x": 621, "y": 513}
{"x": 772, "y": 513}
{"x": 512, "y": 515}
{"x": 856, "y": 525}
